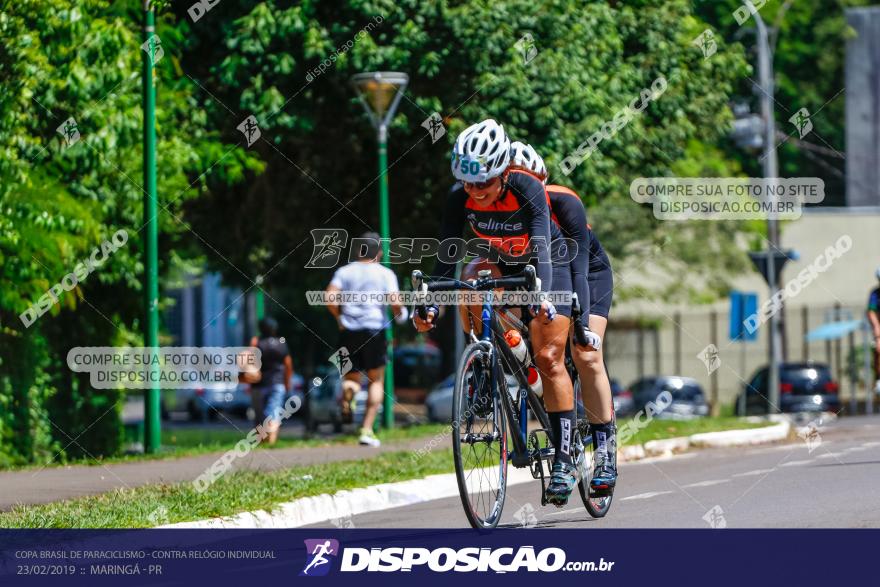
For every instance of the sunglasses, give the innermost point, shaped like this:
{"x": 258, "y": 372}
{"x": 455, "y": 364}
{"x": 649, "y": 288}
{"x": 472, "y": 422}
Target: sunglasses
{"x": 480, "y": 185}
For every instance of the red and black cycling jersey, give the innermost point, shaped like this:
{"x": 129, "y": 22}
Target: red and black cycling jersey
{"x": 568, "y": 212}
{"x": 517, "y": 225}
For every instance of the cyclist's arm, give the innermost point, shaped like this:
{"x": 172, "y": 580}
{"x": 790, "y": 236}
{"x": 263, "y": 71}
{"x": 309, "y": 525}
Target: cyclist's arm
{"x": 535, "y": 198}
{"x": 572, "y": 218}
{"x": 451, "y": 226}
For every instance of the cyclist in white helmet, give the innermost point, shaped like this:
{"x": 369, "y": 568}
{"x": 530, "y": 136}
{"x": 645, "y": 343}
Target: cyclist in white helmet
{"x": 524, "y": 156}
{"x": 508, "y": 210}
{"x": 594, "y": 285}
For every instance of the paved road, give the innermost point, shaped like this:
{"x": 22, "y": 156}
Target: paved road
{"x": 835, "y": 485}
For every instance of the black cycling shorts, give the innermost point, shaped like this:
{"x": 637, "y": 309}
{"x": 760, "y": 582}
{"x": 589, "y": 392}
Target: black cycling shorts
{"x": 601, "y": 285}
{"x": 366, "y": 348}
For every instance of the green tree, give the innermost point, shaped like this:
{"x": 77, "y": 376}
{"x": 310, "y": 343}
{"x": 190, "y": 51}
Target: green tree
{"x": 809, "y": 40}
{"x": 60, "y": 199}
{"x": 466, "y": 62}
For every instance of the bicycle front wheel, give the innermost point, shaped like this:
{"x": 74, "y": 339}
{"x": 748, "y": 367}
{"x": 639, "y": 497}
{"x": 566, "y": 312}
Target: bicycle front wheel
{"x": 479, "y": 439}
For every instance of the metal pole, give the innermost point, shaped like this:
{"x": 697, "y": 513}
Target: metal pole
{"x": 260, "y": 304}
{"x": 677, "y": 320}
{"x": 713, "y": 377}
{"x": 805, "y": 329}
{"x": 869, "y": 373}
{"x": 385, "y": 230}
{"x": 765, "y": 73}
{"x": 152, "y": 420}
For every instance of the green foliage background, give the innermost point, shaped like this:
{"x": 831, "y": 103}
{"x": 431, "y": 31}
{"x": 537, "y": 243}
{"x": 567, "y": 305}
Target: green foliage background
{"x": 248, "y": 211}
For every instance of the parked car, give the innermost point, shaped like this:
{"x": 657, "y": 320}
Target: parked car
{"x": 201, "y": 404}
{"x": 323, "y": 402}
{"x": 439, "y": 401}
{"x": 416, "y": 368}
{"x": 688, "y": 398}
{"x": 622, "y": 398}
{"x": 803, "y": 387}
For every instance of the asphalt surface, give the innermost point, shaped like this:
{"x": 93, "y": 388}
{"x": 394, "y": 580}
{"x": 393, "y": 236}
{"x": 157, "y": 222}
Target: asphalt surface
{"x": 834, "y": 485}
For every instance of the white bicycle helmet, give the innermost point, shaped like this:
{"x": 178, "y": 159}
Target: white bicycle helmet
{"x": 481, "y": 152}
{"x": 525, "y": 157}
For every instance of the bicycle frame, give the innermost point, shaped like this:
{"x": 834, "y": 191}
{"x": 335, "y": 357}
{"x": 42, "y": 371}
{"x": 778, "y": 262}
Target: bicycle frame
{"x": 520, "y": 456}
{"x": 526, "y": 399}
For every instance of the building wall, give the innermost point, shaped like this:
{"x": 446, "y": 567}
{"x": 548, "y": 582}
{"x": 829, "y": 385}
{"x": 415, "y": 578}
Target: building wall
{"x": 846, "y": 283}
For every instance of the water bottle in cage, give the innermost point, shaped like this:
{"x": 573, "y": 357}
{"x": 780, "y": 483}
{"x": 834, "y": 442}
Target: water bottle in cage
{"x": 521, "y": 352}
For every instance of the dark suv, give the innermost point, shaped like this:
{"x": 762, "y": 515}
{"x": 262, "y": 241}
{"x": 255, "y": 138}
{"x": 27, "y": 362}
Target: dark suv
{"x": 803, "y": 387}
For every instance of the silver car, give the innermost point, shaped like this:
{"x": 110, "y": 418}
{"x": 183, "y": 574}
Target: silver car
{"x": 324, "y": 402}
{"x": 439, "y": 400}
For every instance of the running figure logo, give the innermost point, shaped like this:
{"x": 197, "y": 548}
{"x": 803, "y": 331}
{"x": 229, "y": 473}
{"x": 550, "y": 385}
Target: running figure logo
{"x": 706, "y": 43}
{"x": 69, "y": 130}
{"x": 327, "y": 247}
{"x": 318, "y": 551}
{"x": 801, "y": 120}
{"x": 250, "y": 130}
{"x": 434, "y": 125}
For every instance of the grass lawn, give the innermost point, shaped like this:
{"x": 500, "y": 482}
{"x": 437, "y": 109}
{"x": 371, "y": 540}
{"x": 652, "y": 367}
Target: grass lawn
{"x": 252, "y": 490}
{"x": 237, "y": 492}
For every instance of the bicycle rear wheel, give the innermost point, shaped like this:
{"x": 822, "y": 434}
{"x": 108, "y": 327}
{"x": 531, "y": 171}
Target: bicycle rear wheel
{"x": 597, "y": 507}
{"x": 479, "y": 439}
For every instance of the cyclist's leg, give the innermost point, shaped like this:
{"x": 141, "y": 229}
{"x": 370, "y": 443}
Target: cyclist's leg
{"x": 595, "y": 385}
{"x": 470, "y": 314}
{"x": 548, "y": 343}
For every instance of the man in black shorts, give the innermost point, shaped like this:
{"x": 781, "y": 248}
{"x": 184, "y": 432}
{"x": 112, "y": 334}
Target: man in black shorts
{"x": 362, "y": 327}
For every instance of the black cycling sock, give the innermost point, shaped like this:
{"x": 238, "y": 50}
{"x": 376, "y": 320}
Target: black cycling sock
{"x": 602, "y": 435}
{"x": 563, "y": 429}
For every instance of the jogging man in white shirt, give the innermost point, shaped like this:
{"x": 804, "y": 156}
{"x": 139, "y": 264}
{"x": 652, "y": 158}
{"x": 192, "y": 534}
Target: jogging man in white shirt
{"x": 363, "y": 325}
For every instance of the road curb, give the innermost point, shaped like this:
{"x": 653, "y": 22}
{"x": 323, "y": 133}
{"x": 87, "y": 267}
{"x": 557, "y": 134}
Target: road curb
{"x": 340, "y": 506}
{"x": 729, "y": 438}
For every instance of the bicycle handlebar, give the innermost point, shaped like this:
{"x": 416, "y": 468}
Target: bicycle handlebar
{"x": 526, "y": 279}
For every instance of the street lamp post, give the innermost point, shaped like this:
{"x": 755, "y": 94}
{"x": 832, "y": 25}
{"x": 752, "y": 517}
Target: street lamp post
{"x": 152, "y": 421}
{"x": 380, "y": 93}
{"x": 765, "y": 75}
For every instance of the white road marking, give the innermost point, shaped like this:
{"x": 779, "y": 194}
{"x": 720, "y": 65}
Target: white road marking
{"x": 795, "y": 463}
{"x": 647, "y": 495}
{"x": 657, "y": 459}
{"x": 830, "y": 455}
{"x": 755, "y": 472}
{"x": 707, "y": 483}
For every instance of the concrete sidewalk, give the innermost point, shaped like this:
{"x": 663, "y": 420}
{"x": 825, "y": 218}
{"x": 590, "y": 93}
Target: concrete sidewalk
{"x": 67, "y": 482}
